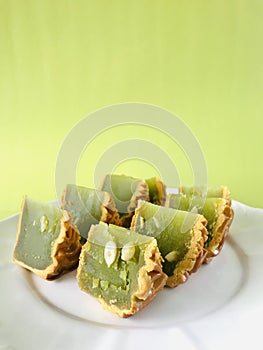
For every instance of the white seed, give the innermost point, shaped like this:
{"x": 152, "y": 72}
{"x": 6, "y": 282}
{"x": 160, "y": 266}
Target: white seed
{"x": 141, "y": 222}
{"x": 43, "y": 223}
{"x": 127, "y": 251}
{"x": 110, "y": 253}
{"x": 171, "y": 256}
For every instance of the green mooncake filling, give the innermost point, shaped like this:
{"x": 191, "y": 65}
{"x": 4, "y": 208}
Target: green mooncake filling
{"x": 213, "y": 192}
{"x": 47, "y": 242}
{"x": 205, "y": 206}
{"x": 40, "y": 227}
{"x": 157, "y": 190}
{"x": 125, "y": 191}
{"x": 215, "y": 210}
{"x": 110, "y": 265}
{"x": 87, "y": 207}
{"x": 180, "y": 236}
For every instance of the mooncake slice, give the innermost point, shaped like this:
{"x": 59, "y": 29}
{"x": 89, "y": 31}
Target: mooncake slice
{"x": 120, "y": 268}
{"x": 180, "y": 237}
{"x": 87, "y": 207}
{"x": 214, "y": 192}
{"x": 47, "y": 242}
{"x": 157, "y": 190}
{"x": 125, "y": 191}
{"x": 218, "y": 213}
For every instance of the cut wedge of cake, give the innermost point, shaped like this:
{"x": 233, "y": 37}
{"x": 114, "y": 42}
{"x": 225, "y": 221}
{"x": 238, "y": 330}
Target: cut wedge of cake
{"x": 120, "y": 268}
{"x": 217, "y": 211}
{"x": 180, "y": 237}
{"x": 125, "y": 191}
{"x": 88, "y": 207}
{"x": 47, "y": 242}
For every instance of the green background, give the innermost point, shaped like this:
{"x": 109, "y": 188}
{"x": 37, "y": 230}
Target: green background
{"x": 61, "y": 60}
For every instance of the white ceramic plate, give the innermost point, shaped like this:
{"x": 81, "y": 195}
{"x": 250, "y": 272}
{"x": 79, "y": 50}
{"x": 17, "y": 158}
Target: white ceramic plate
{"x": 220, "y": 307}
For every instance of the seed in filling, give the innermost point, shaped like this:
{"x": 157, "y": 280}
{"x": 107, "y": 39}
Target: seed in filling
{"x": 116, "y": 266}
{"x": 110, "y": 252}
{"x": 47, "y": 242}
{"x": 180, "y": 236}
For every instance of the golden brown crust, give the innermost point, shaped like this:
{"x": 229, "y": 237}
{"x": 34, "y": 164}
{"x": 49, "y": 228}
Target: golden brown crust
{"x": 151, "y": 280}
{"x": 161, "y": 189}
{"x": 109, "y": 213}
{"x": 220, "y": 230}
{"x": 65, "y": 254}
{"x": 226, "y": 194}
{"x": 194, "y": 257}
{"x": 67, "y": 247}
{"x": 141, "y": 192}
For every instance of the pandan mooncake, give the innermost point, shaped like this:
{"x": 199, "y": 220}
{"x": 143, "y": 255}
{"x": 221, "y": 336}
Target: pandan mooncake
{"x": 180, "y": 237}
{"x": 157, "y": 190}
{"x": 47, "y": 242}
{"x": 120, "y": 268}
{"x": 87, "y": 207}
{"x": 217, "y": 211}
{"x": 214, "y": 192}
{"x": 125, "y": 191}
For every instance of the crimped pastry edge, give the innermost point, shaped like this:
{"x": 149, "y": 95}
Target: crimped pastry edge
{"x": 194, "y": 257}
{"x": 109, "y": 213}
{"x": 161, "y": 189}
{"x": 141, "y": 192}
{"x": 63, "y": 259}
{"x": 146, "y": 291}
{"x": 220, "y": 230}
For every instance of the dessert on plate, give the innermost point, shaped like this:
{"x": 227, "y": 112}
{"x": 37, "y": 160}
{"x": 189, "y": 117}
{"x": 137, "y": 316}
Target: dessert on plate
{"x": 47, "y": 241}
{"x": 125, "y": 191}
{"x": 215, "y": 192}
{"x": 87, "y": 207}
{"x": 217, "y": 211}
{"x": 180, "y": 237}
{"x": 120, "y": 268}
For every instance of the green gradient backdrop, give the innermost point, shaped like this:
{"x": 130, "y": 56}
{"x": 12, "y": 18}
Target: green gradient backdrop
{"x": 61, "y": 60}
